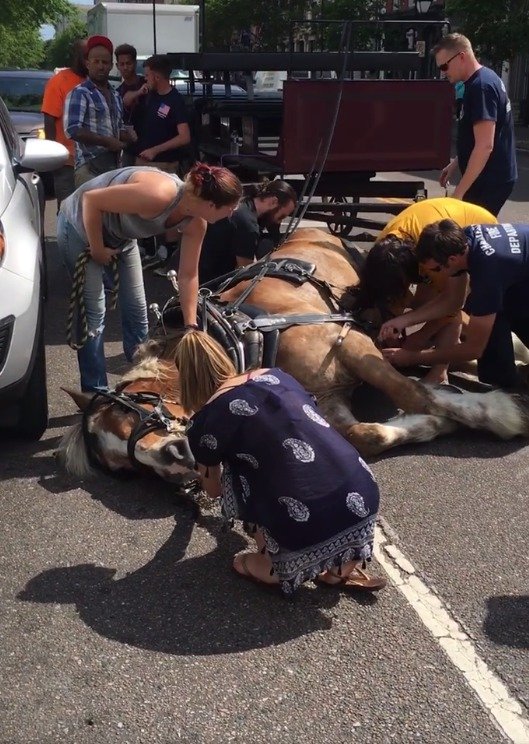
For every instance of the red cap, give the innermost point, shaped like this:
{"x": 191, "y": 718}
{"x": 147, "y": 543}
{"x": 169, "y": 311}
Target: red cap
{"x": 103, "y": 41}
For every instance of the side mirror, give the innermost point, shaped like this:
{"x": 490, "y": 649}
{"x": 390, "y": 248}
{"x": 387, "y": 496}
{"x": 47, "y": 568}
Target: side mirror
{"x": 41, "y": 155}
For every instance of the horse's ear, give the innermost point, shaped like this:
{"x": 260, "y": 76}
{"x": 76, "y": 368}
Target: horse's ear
{"x": 82, "y": 399}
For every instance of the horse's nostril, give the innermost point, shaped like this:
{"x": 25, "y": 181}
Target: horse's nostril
{"x": 182, "y": 452}
{"x": 172, "y": 449}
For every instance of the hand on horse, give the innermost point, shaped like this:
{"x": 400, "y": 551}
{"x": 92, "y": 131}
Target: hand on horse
{"x": 392, "y": 329}
{"x": 103, "y": 255}
{"x": 401, "y": 357}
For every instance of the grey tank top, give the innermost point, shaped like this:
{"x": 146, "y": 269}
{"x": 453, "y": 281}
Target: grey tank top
{"x": 119, "y": 230}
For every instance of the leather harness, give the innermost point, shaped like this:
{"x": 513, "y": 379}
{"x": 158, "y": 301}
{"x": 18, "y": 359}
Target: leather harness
{"x": 159, "y": 417}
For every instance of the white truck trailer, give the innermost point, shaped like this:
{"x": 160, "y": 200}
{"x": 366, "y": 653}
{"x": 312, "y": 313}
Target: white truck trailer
{"x": 177, "y": 26}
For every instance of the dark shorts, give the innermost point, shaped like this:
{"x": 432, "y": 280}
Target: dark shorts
{"x": 492, "y": 199}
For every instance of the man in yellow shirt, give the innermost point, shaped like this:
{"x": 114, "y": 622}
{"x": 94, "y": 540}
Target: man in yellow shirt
{"x": 391, "y": 267}
{"x": 57, "y": 88}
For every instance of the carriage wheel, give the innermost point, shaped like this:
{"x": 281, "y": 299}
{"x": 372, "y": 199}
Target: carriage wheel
{"x": 341, "y": 230}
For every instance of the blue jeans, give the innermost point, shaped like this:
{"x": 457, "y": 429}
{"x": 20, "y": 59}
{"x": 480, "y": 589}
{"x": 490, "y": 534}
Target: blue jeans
{"x": 132, "y": 304}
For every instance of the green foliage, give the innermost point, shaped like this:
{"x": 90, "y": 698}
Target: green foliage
{"x": 32, "y": 13}
{"x": 272, "y": 21}
{"x": 20, "y": 47}
{"x": 58, "y": 51}
{"x": 498, "y": 30}
{"x": 20, "y": 22}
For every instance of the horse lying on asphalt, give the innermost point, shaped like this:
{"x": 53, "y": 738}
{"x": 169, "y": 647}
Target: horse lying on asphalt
{"x": 301, "y": 300}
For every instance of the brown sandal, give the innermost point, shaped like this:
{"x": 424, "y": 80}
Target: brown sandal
{"x": 357, "y": 580}
{"x": 249, "y": 576}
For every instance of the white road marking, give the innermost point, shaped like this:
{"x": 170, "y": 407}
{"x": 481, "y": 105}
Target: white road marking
{"x": 506, "y": 711}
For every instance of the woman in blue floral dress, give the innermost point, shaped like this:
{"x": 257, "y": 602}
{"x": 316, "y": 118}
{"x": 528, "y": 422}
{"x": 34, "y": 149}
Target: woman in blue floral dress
{"x": 276, "y": 463}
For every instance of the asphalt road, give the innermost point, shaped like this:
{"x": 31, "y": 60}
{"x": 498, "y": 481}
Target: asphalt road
{"x": 121, "y": 620}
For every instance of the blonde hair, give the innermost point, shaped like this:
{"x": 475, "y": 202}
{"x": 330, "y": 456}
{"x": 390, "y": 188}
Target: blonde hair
{"x": 453, "y": 43}
{"x": 204, "y": 366}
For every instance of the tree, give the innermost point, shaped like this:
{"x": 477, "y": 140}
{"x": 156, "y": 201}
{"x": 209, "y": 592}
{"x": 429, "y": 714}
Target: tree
{"x": 58, "y": 51}
{"x": 32, "y": 13}
{"x": 498, "y": 30}
{"x": 20, "y": 42}
{"x": 269, "y": 23}
{"x": 20, "y": 47}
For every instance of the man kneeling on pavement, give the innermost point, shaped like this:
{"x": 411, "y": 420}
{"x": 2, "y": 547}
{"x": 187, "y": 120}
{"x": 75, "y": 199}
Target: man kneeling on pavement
{"x": 496, "y": 260}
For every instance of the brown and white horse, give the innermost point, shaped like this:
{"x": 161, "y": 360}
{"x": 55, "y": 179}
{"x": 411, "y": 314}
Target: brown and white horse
{"x": 328, "y": 369}
{"x": 103, "y": 438}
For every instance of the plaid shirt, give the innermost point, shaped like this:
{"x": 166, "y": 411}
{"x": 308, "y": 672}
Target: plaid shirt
{"x": 86, "y": 107}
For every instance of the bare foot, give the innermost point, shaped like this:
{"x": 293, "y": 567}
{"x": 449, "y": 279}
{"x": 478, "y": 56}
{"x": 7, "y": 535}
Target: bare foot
{"x": 435, "y": 379}
{"x": 335, "y": 576}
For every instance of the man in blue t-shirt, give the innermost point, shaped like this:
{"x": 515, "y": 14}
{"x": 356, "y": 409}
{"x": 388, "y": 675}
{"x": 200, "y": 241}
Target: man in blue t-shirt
{"x": 486, "y": 154}
{"x": 496, "y": 259}
{"x": 161, "y": 120}
{"x": 164, "y": 137}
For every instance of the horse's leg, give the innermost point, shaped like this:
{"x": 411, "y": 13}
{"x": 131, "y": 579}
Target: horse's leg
{"x": 504, "y": 414}
{"x": 363, "y": 361}
{"x": 372, "y": 439}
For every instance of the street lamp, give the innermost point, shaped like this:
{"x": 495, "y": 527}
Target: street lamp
{"x": 422, "y": 6}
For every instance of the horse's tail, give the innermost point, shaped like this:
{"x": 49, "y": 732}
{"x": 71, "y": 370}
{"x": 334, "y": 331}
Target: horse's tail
{"x": 73, "y": 455}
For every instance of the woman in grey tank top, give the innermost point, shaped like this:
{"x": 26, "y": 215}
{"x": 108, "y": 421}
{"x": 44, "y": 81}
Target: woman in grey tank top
{"x": 106, "y": 216}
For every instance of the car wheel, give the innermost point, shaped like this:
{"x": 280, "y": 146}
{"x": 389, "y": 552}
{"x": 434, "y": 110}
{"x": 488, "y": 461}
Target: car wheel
{"x": 33, "y": 408}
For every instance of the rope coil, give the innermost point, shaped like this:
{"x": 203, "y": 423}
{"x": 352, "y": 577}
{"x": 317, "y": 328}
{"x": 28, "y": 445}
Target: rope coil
{"x": 77, "y": 310}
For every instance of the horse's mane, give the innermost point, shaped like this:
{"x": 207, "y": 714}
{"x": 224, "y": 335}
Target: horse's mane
{"x": 151, "y": 367}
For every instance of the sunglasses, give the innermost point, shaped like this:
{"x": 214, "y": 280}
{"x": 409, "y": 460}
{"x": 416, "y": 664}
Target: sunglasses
{"x": 445, "y": 65}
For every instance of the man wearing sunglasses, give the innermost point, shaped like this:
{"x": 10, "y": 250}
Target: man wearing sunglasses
{"x": 496, "y": 258}
{"x": 486, "y": 155}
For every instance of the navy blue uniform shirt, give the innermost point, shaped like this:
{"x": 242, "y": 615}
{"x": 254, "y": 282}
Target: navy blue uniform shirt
{"x": 498, "y": 258}
{"x": 486, "y": 99}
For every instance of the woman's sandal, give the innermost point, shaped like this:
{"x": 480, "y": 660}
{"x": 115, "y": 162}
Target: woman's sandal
{"x": 249, "y": 576}
{"x": 357, "y": 580}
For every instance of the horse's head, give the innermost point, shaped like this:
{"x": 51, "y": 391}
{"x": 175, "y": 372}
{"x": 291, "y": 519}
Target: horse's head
{"x": 141, "y": 428}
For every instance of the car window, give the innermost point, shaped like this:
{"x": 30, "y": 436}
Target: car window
{"x": 21, "y": 93}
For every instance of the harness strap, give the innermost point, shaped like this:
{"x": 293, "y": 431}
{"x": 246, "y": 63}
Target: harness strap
{"x": 270, "y": 322}
{"x": 77, "y": 305}
{"x": 234, "y": 306}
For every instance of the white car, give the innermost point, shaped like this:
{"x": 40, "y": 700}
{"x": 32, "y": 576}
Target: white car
{"x": 23, "y": 397}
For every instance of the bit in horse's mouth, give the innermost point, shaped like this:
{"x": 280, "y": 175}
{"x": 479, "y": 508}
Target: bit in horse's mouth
{"x": 187, "y": 481}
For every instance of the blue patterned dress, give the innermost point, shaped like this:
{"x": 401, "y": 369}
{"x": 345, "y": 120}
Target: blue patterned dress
{"x": 288, "y": 471}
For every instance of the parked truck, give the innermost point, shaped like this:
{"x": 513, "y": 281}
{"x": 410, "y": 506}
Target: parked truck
{"x": 150, "y": 28}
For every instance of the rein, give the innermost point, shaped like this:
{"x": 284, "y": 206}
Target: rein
{"x": 77, "y": 304}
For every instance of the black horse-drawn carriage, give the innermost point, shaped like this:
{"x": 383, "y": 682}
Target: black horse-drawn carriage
{"x": 328, "y": 136}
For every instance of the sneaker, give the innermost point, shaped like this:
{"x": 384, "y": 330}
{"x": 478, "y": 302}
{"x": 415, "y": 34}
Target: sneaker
{"x": 162, "y": 252}
{"x": 162, "y": 271}
{"x": 150, "y": 262}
